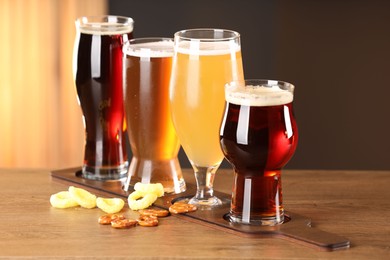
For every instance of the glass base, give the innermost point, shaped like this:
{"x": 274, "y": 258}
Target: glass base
{"x": 166, "y": 172}
{"x": 256, "y": 221}
{"x": 105, "y": 173}
{"x": 209, "y": 202}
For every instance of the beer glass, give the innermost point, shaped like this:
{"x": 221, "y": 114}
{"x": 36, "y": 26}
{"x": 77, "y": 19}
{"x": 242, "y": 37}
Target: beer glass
{"x": 147, "y": 72}
{"x": 258, "y": 137}
{"x": 97, "y": 69}
{"x": 204, "y": 61}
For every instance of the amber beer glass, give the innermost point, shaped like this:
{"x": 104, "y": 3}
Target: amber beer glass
{"x": 147, "y": 73}
{"x": 204, "y": 61}
{"x": 97, "y": 69}
{"x": 258, "y": 136}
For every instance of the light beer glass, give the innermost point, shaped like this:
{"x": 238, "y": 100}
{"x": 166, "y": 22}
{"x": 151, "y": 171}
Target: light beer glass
{"x": 258, "y": 137}
{"x": 97, "y": 70}
{"x": 147, "y": 73}
{"x": 204, "y": 61}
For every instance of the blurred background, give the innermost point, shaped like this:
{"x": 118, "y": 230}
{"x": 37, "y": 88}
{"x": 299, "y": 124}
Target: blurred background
{"x": 337, "y": 53}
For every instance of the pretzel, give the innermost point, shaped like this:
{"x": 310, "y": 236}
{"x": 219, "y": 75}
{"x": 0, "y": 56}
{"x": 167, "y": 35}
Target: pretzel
{"x": 123, "y": 223}
{"x": 108, "y": 218}
{"x": 147, "y": 221}
{"x": 181, "y": 207}
{"x": 154, "y": 212}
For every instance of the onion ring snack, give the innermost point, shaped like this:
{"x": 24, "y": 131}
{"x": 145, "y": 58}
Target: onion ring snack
{"x": 135, "y": 203}
{"x": 110, "y": 205}
{"x": 62, "y": 200}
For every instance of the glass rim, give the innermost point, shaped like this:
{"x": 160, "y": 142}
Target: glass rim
{"x": 132, "y": 46}
{"x": 180, "y": 34}
{"x": 261, "y": 83}
{"x": 95, "y": 23}
{"x": 148, "y": 39}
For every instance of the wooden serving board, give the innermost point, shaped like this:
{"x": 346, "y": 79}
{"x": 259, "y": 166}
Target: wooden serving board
{"x": 296, "y": 228}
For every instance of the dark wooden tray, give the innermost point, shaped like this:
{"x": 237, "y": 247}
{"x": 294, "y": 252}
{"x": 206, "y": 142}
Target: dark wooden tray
{"x": 296, "y": 228}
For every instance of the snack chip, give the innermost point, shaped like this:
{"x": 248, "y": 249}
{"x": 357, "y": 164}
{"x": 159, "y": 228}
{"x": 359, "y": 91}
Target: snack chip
{"x": 62, "y": 200}
{"x": 110, "y": 205}
{"x": 83, "y": 197}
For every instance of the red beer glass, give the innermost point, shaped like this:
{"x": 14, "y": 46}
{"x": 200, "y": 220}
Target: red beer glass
{"x": 97, "y": 69}
{"x": 258, "y": 137}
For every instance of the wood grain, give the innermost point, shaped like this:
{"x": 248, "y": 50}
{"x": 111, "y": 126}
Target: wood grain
{"x": 353, "y": 204}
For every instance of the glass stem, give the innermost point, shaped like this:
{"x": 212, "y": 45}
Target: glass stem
{"x": 204, "y": 181}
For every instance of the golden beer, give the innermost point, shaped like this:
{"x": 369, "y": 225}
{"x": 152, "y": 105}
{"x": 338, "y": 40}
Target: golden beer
{"x": 204, "y": 61}
{"x": 198, "y": 100}
{"x": 153, "y": 140}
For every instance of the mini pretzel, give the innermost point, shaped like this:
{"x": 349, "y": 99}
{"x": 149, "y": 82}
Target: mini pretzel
{"x": 147, "y": 221}
{"x": 181, "y": 207}
{"x": 123, "y": 223}
{"x": 154, "y": 212}
{"x": 108, "y": 218}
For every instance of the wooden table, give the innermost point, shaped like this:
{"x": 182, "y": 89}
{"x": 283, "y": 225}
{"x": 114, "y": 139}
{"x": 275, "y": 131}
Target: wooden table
{"x": 353, "y": 204}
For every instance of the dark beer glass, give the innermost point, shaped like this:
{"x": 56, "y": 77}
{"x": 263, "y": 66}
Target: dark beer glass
{"x": 97, "y": 68}
{"x": 258, "y": 137}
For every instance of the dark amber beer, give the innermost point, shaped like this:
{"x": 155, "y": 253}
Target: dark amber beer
{"x": 258, "y": 137}
{"x": 153, "y": 140}
{"x": 98, "y": 77}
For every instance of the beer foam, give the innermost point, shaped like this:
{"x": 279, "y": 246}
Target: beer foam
{"x": 109, "y": 28}
{"x": 258, "y": 95}
{"x": 207, "y": 48}
{"x": 157, "y": 49}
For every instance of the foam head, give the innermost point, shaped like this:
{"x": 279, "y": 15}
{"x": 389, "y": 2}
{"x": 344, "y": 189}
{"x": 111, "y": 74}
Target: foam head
{"x": 259, "y": 93}
{"x": 149, "y": 48}
{"x": 106, "y": 25}
{"x": 207, "y": 48}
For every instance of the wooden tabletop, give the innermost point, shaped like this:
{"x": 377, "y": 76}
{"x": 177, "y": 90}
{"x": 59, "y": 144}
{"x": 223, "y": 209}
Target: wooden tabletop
{"x": 352, "y": 204}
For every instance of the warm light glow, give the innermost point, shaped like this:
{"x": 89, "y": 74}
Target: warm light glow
{"x": 40, "y": 120}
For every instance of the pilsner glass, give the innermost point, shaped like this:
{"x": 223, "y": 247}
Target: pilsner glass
{"x": 204, "y": 61}
{"x": 258, "y": 137}
{"x": 97, "y": 69}
{"x": 153, "y": 140}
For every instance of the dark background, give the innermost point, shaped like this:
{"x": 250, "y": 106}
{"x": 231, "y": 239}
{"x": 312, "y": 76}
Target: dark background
{"x": 336, "y": 53}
